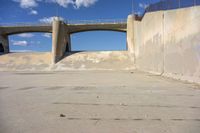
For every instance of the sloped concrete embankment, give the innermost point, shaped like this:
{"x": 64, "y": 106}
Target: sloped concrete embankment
{"x": 107, "y": 60}
{"x": 168, "y": 43}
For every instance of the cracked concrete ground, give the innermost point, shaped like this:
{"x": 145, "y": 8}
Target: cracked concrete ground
{"x": 97, "y": 102}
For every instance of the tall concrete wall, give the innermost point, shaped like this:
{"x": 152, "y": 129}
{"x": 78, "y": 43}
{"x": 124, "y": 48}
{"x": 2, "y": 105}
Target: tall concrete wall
{"x": 167, "y": 43}
{"x": 182, "y": 43}
{"x": 149, "y": 42}
{"x": 5, "y": 42}
{"x": 130, "y": 36}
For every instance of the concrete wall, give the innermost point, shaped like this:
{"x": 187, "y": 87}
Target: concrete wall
{"x": 182, "y": 44}
{"x": 130, "y": 36}
{"x": 167, "y": 43}
{"x": 149, "y": 42}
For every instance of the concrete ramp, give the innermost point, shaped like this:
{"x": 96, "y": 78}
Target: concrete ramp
{"x": 108, "y": 60}
{"x": 25, "y": 61}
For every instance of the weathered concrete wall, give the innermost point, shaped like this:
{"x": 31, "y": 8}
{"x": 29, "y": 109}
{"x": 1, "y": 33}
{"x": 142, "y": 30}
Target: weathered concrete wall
{"x": 167, "y": 43}
{"x": 108, "y": 60}
{"x": 60, "y": 40}
{"x": 182, "y": 44}
{"x": 130, "y": 36}
{"x": 5, "y": 42}
{"x": 149, "y": 42}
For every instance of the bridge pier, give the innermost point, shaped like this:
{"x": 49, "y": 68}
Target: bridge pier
{"x": 5, "y": 43}
{"x": 68, "y": 45}
{"x": 60, "y": 40}
{"x": 130, "y": 36}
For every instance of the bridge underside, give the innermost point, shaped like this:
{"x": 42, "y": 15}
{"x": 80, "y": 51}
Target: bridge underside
{"x": 122, "y": 27}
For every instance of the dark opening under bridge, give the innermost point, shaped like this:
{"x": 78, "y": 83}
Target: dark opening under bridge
{"x": 61, "y": 32}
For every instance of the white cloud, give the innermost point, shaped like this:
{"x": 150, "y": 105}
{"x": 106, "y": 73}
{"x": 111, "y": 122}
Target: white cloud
{"x": 27, "y": 3}
{"x": 84, "y": 3}
{"x": 49, "y": 19}
{"x": 75, "y": 3}
{"x": 33, "y": 12}
{"x": 142, "y": 5}
{"x": 19, "y": 43}
{"x": 26, "y": 35}
{"x": 47, "y": 35}
{"x": 63, "y": 3}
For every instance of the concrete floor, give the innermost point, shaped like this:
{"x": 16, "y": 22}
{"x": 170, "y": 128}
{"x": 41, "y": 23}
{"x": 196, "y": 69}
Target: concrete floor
{"x": 97, "y": 102}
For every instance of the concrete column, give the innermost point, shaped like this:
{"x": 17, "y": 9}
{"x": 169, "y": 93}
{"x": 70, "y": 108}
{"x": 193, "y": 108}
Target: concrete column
{"x": 130, "y": 36}
{"x": 60, "y": 40}
{"x": 5, "y": 42}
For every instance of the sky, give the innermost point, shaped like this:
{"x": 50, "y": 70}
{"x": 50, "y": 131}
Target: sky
{"x": 43, "y": 11}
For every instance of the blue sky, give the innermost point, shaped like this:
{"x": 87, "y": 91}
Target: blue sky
{"x": 35, "y": 11}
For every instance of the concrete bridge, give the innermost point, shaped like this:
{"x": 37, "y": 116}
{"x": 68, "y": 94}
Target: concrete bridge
{"x": 120, "y": 27}
{"x": 61, "y": 32}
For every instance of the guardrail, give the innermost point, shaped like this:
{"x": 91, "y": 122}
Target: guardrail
{"x": 24, "y": 24}
{"x": 98, "y": 21}
{"x": 171, "y": 4}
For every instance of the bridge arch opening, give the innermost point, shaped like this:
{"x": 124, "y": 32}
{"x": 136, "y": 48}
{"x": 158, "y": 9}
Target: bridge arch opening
{"x": 98, "y": 41}
{"x": 30, "y": 42}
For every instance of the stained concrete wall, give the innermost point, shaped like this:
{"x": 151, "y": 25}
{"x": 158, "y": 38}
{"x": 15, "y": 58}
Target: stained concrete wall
{"x": 105, "y": 60}
{"x": 182, "y": 44}
{"x": 167, "y": 43}
{"x": 130, "y": 36}
{"x": 149, "y": 42}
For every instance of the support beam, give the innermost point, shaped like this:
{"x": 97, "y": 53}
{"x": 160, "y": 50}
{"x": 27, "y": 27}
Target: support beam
{"x": 130, "y": 36}
{"x": 5, "y": 43}
{"x": 60, "y": 40}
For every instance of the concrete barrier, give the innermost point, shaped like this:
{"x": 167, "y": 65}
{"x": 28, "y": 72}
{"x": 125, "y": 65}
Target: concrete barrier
{"x": 167, "y": 43}
{"x": 148, "y": 41}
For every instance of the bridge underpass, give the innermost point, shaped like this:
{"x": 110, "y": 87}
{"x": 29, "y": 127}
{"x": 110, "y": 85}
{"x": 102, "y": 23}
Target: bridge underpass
{"x": 98, "y": 41}
{"x": 32, "y": 42}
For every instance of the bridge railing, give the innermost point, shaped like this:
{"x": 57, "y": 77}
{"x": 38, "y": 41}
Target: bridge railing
{"x": 101, "y": 21}
{"x": 98, "y": 21}
{"x": 24, "y": 24}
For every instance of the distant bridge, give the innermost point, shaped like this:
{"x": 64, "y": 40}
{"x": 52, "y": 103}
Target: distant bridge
{"x": 60, "y": 30}
{"x": 73, "y": 27}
